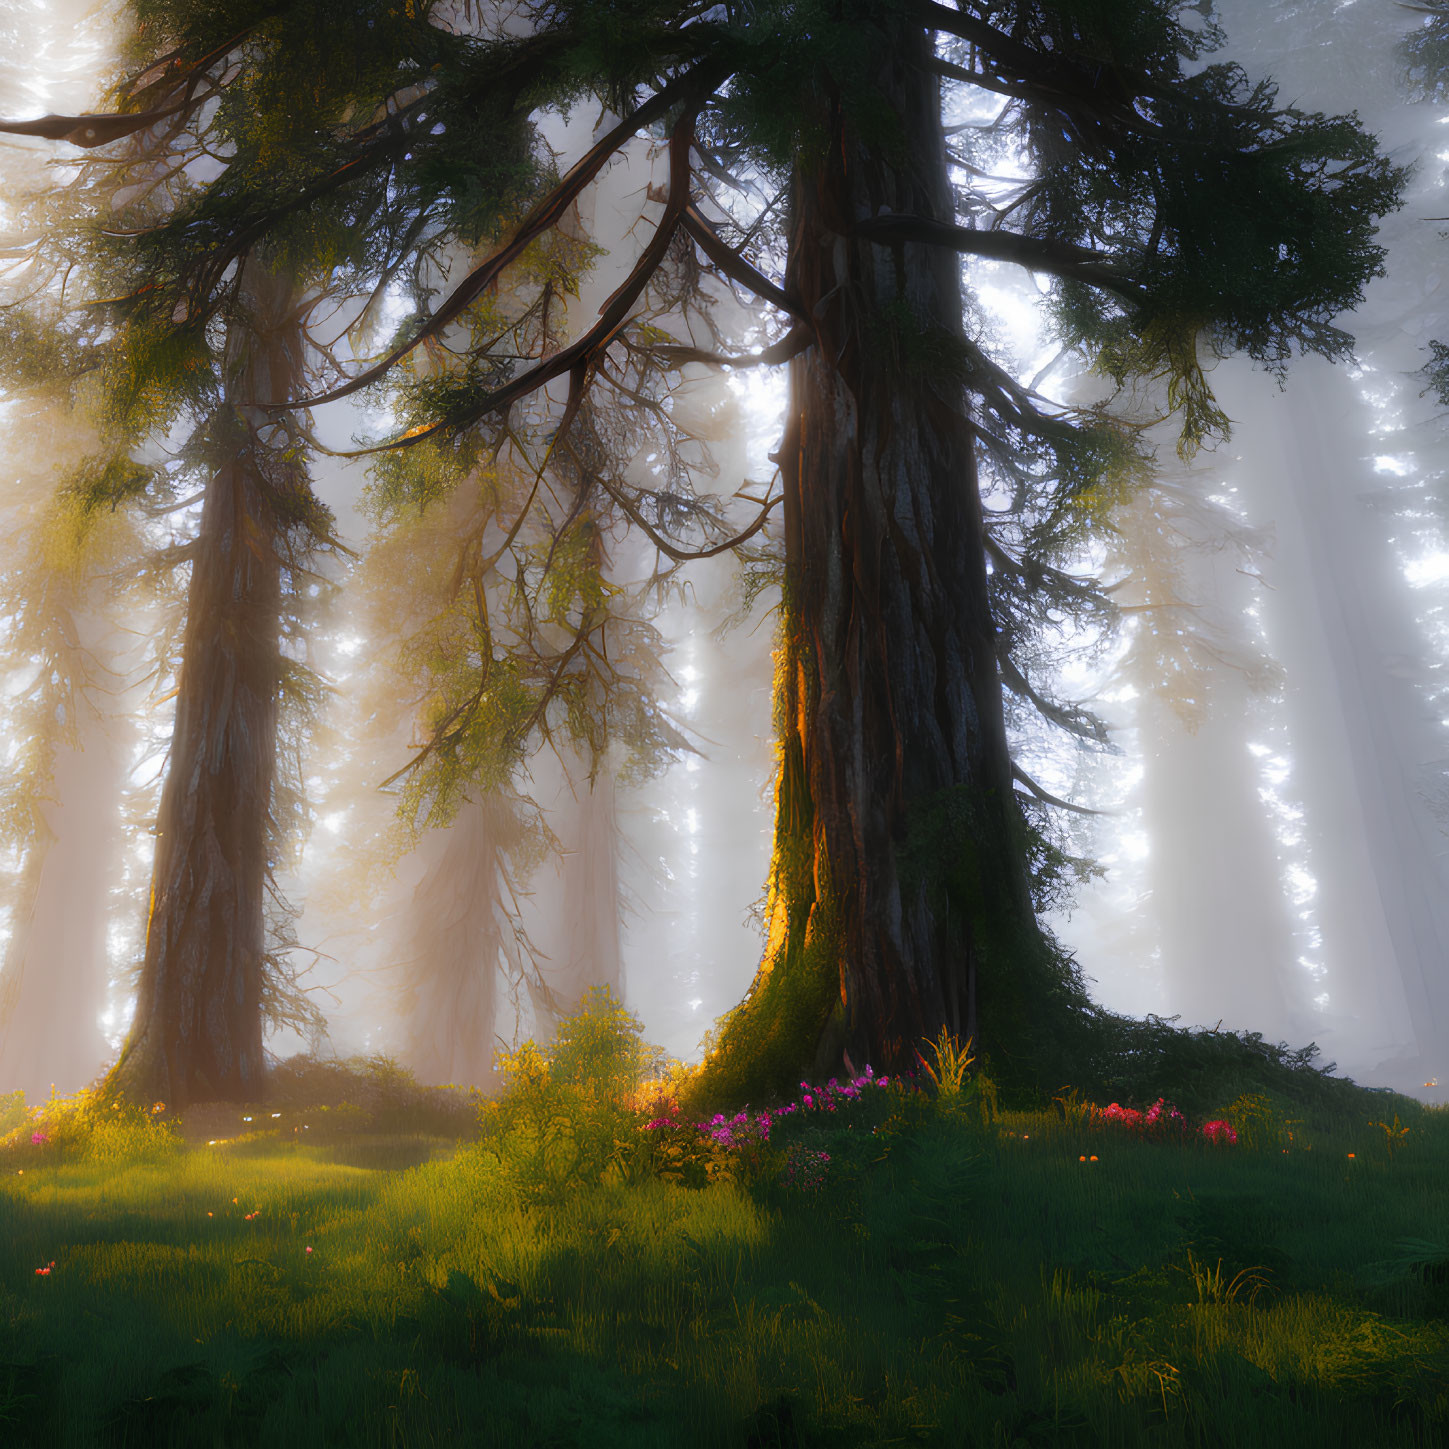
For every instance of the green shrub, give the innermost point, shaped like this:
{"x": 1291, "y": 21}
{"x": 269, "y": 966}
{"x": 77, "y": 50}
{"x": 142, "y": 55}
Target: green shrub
{"x": 602, "y": 1047}
{"x": 567, "y": 1115}
{"x": 1259, "y": 1123}
{"x": 13, "y": 1112}
{"x": 369, "y": 1094}
{"x": 680, "y": 1153}
{"x": 89, "y": 1128}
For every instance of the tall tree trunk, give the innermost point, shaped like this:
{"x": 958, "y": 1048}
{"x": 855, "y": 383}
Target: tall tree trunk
{"x": 898, "y": 900}
{"x": 458, "y": 937}
{"x": 53, "y": 984}
{"x": 197, "y": 1032}
{"x": 588, "y": 872}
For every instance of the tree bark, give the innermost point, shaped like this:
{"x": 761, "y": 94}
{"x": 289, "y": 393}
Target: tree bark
{"x": 197, "y": 1031}
{"x": 899, "y": 900}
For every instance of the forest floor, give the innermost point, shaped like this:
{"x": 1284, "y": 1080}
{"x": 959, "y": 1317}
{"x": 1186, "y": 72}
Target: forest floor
{"x": 897, "y": 1269}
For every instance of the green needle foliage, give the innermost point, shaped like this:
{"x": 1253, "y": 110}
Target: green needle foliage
{"x": 1425, "y": 54}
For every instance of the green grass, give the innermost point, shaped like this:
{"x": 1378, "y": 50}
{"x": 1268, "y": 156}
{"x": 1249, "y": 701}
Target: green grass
{"x": 963, "y": 1278}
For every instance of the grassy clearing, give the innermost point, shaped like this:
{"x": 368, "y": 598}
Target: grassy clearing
{"x": 962, "y": 1277}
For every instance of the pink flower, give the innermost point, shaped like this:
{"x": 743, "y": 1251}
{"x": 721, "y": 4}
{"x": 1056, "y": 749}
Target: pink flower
{"x": 39, "y": 1139}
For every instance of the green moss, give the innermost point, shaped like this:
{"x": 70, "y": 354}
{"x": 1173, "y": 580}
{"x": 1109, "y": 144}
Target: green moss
{"x": 107, "y": 481}
{"x": 962, "y": 847}
{"x": 792, "y": 1011}
{"x": 760, "y": 1049}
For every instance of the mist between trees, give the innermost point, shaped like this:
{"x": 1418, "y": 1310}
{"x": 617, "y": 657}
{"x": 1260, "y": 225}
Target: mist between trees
{"x": 511, "y": 250}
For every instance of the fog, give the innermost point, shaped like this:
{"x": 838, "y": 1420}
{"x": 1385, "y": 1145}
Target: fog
{"x": 1275, "y": 840}
{"x": 1309, "y": 796}
{"x": 649, "y": 888}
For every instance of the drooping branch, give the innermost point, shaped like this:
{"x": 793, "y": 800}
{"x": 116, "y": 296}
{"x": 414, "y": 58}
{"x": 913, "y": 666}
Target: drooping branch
{"x": 1060, "y": 259}
{"x": 1081, "y": 590}
{"x": 734, "y": 264}
{"x": 396, "y": 140}
{"x": 455, "y": 724}
{"x": 1104, "y": 92}
{"x": 101, "y": 129}
{"x": 1047, "y": 798}
{"x": 578, "y": 380}
{"x": 90, "y": 130}
{"x": 794, "y": 342}
{"x": 547, "y": 214}
{"x": 1001, "y": 47}
{"x": 615, "y": 313}
{"x": 673, "y": 551}
{"x": 1074, "y": 721}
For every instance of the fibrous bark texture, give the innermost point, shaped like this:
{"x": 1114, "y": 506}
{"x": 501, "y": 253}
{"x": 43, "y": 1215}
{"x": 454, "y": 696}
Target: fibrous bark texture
{"x": 899, "y": 899}
{"x": 197, "y": 1031}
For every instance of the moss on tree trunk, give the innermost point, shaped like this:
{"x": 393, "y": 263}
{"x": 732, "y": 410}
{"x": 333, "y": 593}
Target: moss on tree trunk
{"x": 899, "y": 899}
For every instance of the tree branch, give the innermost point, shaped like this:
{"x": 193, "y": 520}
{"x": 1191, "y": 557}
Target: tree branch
{"x": 1047, "y": 798}
{"x": 579, "y": 354}
{"x": 794, "y": 342}
{"x": 733, "y": 264}
{"x": 669, "y": 550}
{"x": 1075, "y": 722}
{"x": 1060, "y": 259}
{"x": 544, "y": 216}
{"x": 101, "y": 130}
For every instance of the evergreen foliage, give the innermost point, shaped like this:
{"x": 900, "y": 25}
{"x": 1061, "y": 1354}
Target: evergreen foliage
{"x": 374, "y": 149}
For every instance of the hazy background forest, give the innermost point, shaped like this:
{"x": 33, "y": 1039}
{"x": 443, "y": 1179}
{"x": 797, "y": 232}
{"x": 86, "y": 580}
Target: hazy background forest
{"x": 1275, "y": 803}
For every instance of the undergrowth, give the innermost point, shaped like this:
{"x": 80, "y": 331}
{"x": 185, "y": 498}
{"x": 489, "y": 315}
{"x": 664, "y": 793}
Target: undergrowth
{"x": 584, "y": 1262}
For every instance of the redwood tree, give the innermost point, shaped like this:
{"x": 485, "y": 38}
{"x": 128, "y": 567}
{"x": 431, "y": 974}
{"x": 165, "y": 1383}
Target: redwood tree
{"x": 197, "y": 1030}
{"x": 899, "y": 870}
{"x": 213, "y": 969}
